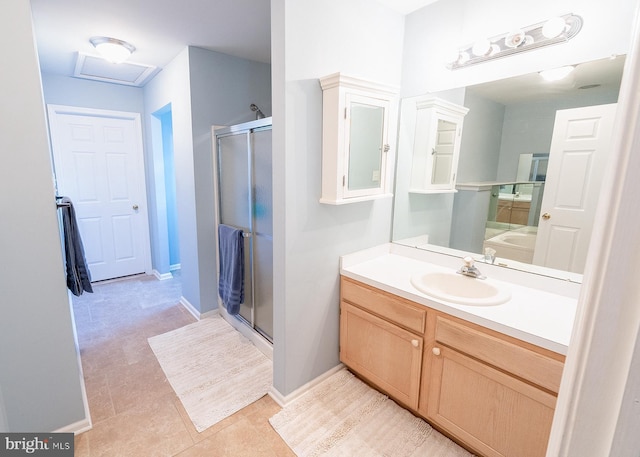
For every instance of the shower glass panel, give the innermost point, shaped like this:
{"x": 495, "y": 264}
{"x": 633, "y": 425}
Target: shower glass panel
{"x": 244, "y": 202}
{"x": 235, "y": 202}
{"x": 263, "y": 231}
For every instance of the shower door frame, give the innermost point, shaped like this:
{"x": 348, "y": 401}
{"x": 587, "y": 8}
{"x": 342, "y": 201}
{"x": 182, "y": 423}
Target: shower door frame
{"x": 219, "y": 132}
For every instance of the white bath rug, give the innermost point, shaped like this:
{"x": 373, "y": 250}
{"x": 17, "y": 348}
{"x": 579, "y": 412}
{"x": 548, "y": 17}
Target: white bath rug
{"x": 214, "y": 370}
{"x": 342, "y": 416}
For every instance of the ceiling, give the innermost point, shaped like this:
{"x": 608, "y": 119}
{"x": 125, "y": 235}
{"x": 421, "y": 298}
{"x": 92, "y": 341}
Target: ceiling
{"x": 159, "y": 29}
{"x": 597, "y": 75}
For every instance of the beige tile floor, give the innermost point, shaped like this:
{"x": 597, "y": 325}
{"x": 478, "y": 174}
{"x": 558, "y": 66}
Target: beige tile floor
{"x": 134, "y": 410}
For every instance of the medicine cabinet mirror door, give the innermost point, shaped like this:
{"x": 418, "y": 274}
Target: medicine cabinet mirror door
{"x": 365, "y": 145}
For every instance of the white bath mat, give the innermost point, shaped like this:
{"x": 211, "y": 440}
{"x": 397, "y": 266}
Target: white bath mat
{"x": 342, "y": 416}
{"x": 214, "y": 370}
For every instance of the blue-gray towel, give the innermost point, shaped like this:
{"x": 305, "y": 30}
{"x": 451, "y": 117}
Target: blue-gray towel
{"x": 78, "y": 274}
{"x": 231, "y": 281}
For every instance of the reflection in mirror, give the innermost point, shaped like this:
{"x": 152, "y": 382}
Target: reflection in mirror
{"x": 365, "y": 148}
{"x": 443, "y": 152}
{"x": 506, "y": 150}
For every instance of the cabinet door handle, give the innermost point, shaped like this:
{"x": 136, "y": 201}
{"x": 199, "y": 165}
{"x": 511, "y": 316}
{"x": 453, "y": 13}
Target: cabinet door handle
{"x": 436, "y": 351}
{"x": 415, "y": 343}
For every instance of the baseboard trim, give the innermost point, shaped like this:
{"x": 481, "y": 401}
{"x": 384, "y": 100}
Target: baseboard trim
{"x": 174, "y": 267}
{"x": 76, "y": 428}
{"x": 284, "y": 400}
{"x": 162, "y": 276}
{"x": 194, "y": 312}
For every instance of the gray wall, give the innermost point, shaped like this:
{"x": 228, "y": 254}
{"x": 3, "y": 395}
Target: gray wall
{"x": 204, "y": 88}
{"x": 40, "y": 377}
{"x": 309, "y": 237}
{"x": 480, "y": 146}
{"x": 65, "y": 90}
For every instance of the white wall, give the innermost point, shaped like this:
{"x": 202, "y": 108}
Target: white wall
{"x": 40, "y": 377}
{"x": 311, "y": 40}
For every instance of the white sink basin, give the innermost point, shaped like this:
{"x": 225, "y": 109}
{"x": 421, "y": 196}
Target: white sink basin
{"x": 464, "y": 290}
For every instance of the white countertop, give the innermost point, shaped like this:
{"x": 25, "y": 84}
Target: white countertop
{"x": 533, "y": 315}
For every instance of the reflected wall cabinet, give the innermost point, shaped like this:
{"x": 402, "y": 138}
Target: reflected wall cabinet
{"x": 436, "y": 145}
{"x": 357, "y": 160}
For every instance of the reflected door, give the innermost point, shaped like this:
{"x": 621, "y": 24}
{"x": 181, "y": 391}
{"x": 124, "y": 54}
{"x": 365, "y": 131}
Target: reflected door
{"x": 580, "y": 146}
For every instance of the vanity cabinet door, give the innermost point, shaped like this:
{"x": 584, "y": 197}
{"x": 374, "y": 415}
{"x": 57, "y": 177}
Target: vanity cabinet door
{"x": 383, "y": 353}
{"x": 490, "y": 411}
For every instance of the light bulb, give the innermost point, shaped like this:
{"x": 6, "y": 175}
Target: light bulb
{"x": 553, "y": 27}
{"x": 481, "y": 47}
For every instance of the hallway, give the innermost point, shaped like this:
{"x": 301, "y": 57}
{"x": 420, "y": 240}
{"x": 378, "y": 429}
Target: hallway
{"x": 134, "y": 410}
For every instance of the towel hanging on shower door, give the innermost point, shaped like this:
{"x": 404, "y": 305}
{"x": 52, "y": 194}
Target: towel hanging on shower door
{"x": 231, "y": 281}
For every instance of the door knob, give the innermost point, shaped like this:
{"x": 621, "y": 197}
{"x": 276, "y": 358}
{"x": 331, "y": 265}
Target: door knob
{"x": 546, "y": 216}
{"x": 135, "y": 207}
{"x": 436, "y": 351}
{"x": 415, "y": 343}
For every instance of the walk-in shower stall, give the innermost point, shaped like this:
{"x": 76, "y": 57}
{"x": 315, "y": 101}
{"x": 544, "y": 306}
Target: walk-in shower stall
{"x": 244, "y": 190}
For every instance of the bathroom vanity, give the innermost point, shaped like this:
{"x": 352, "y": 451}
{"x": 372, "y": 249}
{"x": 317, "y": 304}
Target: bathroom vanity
{"x": 485, "y": 375}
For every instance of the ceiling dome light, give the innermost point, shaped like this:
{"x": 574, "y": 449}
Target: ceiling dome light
{"x": 112, "y": 49}
{"x": 556, "y": 74}
{"x": 553, "y": 27}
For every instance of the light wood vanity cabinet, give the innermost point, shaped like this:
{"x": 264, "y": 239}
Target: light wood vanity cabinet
{"x": 492, "y": 393}
{"x": 381, "y": 339}
{"x": 514, "y": 212}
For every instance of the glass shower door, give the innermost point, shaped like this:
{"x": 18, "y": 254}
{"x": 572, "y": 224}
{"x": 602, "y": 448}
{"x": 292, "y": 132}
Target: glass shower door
{"x": 263, "y": 232}
{"x": 245, "y": 202}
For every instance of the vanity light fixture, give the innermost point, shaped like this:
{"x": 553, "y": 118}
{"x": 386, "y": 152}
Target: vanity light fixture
{"x": 554, "y": 31}
{"x": 112, "y": 49}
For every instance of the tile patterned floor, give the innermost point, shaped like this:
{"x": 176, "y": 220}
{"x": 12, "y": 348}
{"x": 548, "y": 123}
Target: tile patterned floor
{"x": 134, "y": 410}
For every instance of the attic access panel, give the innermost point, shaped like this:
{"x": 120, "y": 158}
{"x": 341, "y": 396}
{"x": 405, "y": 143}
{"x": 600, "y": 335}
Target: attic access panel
{"x": 127, "y": 73}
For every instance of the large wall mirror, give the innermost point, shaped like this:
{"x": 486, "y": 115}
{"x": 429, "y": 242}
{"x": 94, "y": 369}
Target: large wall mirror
{"x": 512, "y": 182}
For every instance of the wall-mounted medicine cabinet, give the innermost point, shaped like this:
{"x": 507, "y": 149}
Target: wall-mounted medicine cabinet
{"x": 436, "y": 146}
{"x": 357, "y": 159}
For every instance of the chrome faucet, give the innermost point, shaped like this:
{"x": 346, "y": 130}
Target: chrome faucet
{"x": 468, "y": 269}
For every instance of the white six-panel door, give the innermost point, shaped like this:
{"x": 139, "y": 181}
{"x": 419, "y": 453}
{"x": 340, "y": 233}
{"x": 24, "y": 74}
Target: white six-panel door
{"x": 579, "y": 153}
{"x": 98, "y": 161}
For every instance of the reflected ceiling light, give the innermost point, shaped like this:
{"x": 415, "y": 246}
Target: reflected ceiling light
{"x": 556, "y": 74}
{"x": 554, "y": 31}
{"x": 112, "y": 49}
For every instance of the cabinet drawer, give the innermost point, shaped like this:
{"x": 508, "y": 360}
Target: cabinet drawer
{"x": 512, "y": 358}
{"x": 386, "y": 306}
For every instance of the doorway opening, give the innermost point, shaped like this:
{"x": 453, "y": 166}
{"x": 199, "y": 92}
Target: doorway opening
{"x": 166, "y": 188}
